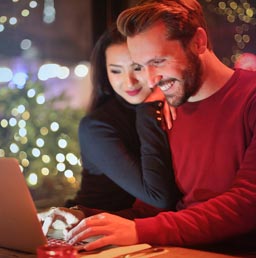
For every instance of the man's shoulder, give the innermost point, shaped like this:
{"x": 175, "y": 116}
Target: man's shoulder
{"x": 247, "y": 76}
{"x": 245, "y": 82}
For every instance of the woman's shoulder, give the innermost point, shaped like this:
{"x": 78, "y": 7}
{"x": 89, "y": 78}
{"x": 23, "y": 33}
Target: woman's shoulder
{"x": 109, "y": 105}
{"x": 105, "y": 114}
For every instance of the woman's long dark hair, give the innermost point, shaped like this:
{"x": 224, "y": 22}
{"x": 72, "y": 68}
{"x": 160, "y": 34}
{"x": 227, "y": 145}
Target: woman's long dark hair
{"x": 102, "y": 88}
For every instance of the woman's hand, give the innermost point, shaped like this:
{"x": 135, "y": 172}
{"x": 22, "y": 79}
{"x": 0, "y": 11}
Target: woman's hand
{"x": 112, "y": 229}
{"x": 68, "y": 218}
{"x": 169, "y": 113}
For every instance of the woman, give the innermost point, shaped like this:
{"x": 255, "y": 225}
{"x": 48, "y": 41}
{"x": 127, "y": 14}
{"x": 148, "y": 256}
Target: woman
{"x": 125, "y": 152}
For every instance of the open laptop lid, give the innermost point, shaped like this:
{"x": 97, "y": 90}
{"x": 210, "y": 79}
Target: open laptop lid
{"x": 19, "y": 225}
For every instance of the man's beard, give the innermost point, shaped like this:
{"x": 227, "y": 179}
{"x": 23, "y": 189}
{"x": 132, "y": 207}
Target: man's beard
{"x": 191, "y": 83}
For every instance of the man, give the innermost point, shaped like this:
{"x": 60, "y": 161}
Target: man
{"x": 213, "y": 140}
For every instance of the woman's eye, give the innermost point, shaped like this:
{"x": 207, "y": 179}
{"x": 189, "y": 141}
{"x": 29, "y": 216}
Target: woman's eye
{"x": 115, "y": 71}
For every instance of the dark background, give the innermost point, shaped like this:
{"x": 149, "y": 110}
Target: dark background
{"x": 78, "y": 24}
{"x": 69, "y": 38}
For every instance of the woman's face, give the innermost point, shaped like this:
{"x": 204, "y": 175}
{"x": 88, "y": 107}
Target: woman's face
{"x": 125, "y": 76}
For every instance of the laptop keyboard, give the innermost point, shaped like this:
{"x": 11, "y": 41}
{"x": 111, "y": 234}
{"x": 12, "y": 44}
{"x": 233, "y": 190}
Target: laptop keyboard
{"x": 62, "y": 242}
{"x": 54, "y": 241}
{"x": 56, "y": 238}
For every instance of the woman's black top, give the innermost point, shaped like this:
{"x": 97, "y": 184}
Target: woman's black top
{"x": 125, "y": 155}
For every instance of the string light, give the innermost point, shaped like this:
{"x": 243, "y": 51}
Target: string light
{"x": 49, "y": 11}
{"x": 12, "y": 20}
{"x": 241, "y": 12}
{"x": 35, "y": 141}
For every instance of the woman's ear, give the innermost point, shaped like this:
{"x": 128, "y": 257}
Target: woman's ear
{"x": 199, "y": 41}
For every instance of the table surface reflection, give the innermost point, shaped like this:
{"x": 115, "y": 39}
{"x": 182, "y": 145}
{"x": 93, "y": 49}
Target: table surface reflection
{"x": 175, "y": 252}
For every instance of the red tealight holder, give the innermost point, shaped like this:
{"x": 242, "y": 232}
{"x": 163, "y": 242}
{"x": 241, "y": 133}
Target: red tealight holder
{"x": 56, "y": 251}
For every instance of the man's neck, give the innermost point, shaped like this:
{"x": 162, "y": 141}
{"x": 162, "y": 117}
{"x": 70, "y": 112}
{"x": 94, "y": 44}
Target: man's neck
{"x": 214, "y": 76}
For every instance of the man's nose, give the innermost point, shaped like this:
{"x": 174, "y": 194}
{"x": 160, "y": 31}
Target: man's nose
{"x": 153, "y": 78}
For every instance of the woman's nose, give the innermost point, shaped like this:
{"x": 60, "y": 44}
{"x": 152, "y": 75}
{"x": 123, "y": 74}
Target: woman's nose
{"x": 130, "y": 81}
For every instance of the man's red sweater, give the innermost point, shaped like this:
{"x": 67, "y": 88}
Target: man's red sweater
{"x": 213, "y": 144}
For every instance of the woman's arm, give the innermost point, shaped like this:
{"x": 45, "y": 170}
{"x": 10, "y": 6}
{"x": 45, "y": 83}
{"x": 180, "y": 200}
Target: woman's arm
{"x": 148, "y": 177}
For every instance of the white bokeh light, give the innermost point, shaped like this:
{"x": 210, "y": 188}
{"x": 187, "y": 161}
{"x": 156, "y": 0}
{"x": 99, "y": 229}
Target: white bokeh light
{"x": 14, "y": 148}
{"x": 40, "y": 99}
{"x": 54, "y": 126}
{"x": 60, "y": 157}
{"x": 36, "y": 152}
{"x": 68, "y": 173}
{"x": 81, "y": 70}
{"x": 20, "y": 79}
{"x": 25, "y": 44}
{"x": 72, "y": 159}
{"x": 13, "y": 20}
{"x": 31, "y": 93}
{"x": 33, "y": 179}
{"x": 6, "y": 74}
{"x": 61, "y": 167}
{"x": 12, "y": 121}
{"x": 40, "y": 142}
{"x": 62, "y": 143}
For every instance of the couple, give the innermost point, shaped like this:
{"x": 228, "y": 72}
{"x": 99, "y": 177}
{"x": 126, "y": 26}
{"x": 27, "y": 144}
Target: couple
{"x": 212, "y": 141}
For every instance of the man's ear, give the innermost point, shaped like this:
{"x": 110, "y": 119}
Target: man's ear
{"x": 199, "y": 41}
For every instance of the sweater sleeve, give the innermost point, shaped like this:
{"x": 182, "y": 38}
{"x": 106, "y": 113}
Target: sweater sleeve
{"x": 227, "y": 215}
{"x": 230, "y": 214}
{"x": 148, "y": 177}
{"x": 139, "y": 210}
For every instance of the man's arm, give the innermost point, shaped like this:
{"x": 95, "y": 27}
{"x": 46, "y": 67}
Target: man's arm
{"x": 229, "y": 214}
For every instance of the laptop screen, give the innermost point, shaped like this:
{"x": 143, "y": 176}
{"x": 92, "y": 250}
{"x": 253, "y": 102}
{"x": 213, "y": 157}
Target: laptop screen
{"x": 19, "y": 226}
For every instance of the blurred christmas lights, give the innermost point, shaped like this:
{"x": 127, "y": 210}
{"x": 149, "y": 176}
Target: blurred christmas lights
{"x": 45, "y": 72}
{"x": 33, "y": 134}
{"x": 243, "y": 13}
{"x": 12, "y": 20}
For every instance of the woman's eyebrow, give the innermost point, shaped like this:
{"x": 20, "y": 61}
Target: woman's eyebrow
{"x": 114, "y": 65}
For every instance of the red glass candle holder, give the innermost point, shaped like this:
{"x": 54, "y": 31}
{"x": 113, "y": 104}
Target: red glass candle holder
{"x": 56, "y": 251}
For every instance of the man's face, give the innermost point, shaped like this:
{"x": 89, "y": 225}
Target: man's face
{"x": 166, "y": 64}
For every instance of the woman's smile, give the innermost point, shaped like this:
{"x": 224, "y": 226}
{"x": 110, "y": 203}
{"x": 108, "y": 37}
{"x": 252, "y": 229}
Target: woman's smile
{"x": 133, "y": 92}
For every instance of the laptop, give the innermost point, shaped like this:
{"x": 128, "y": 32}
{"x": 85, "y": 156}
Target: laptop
{"x": 20, "y": 228}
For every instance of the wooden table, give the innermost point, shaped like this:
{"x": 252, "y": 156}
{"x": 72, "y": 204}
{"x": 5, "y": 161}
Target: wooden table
{"x": 178, "y": 252}
{"x": 167, "y": 252}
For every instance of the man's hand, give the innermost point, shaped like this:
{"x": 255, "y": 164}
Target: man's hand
{"x": 113, "y": 230}
{"x": 68, "y": 217}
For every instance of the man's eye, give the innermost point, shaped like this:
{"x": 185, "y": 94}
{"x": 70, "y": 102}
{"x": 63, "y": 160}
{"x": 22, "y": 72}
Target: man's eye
{"x": 137, "y": 67}
{"x": 158, "y": 61}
